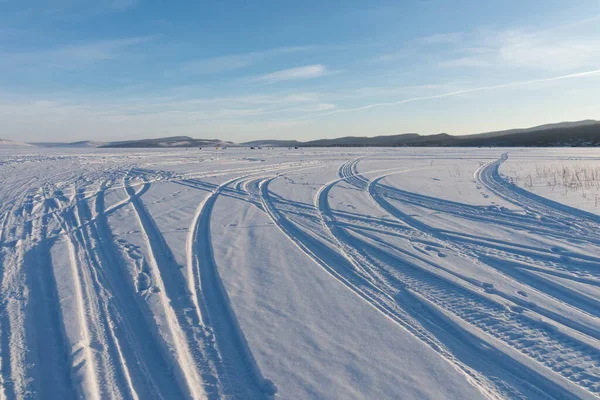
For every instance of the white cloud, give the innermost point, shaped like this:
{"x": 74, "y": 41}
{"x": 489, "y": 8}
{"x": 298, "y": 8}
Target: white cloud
{"x": 237, "y": 61}
{"x": 324, "y": 107}
{"x": 306, "y": 72}
{"x": 469, "y": 61}
{"x": 302, "y": 97}
{"x": 560, "y": 49}
{"x": 74, "y": 55}
{"x": 547, "y": 51}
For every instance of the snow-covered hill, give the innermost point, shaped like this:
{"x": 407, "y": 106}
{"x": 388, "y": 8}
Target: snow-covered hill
{"x": 11, "y": 143}
{"x": 80, "y": 144}
{"x": 174, "y": 142}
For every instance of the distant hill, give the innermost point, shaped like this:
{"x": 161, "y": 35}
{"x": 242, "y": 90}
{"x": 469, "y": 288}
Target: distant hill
{"x": 272, "y": 143}
{"x": 11, "y": 143}
{"x": 573, "y": 136}
{"x": 535, "y": 128}
{"x": 362, "y": 141}
{"x": 80, "y": 144}
{"x": 569, "y": 134}
{"x": 173, "y": 142}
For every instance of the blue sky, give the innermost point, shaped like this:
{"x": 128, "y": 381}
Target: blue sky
{"x": 239, "y": 70}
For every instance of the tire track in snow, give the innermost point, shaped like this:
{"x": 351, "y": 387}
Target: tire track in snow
{"x": 403, "y": 284}
{"x": 342, "y": 267}
{"x": 580, "y": 222}
{"x": 83, "y": 363}
{"x": 32, "y": 267}
{"x": 483, "y": 251}
{"x": 100, "y": 348}
{"x": 5, "y": 380}
{"x": 552, "y": 345}
{"x": 181, "y": 312}
{"x": 28, "y": 320}
{"x": 2, "y": 328}
{"x": 12, "y": 306}
{"x": 241, "y": 377}
{"x": 119, "y": 316}
{"x": 109, "y": 353}
{"x": 519, "y": 329}
{"x": 17, "y": 362}
{"x": 583, "y": 226}
{"x": 477, "y": 249}
{"x": 47, "y": 345}
{"x": 142, "y": 354}
{"x": 238, "y": 373}
{"x": 526, "y": 274}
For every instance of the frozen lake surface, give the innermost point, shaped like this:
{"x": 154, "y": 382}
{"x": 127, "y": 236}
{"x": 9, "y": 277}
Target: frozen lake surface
{"x": 300, "y": 274}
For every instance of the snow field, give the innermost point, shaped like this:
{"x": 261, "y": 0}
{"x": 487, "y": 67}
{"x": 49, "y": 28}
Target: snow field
{"x": 311, "y": 273}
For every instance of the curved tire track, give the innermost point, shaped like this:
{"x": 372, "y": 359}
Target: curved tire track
{"x": 241, "y": 377}
{"x": 553, "y": 344}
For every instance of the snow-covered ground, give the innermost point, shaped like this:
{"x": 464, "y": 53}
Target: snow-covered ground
{"x": 571, "y": 177}
{"x": 299, "y": 274}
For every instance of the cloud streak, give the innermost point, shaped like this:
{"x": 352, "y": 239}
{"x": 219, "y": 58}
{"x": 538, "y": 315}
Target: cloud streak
{"x": 451, "y": 94}
{"x": 74, "y": 55}
{"x": 306, "y": 72}
{"x": 238, "y": 61}
{"x": 561, "y": 48}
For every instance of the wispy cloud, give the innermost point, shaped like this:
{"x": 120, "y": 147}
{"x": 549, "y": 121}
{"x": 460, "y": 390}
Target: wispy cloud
{"x": 561, "y": 48}
{"x": 547, "y": 52}
{"x": 73, "y": 55}
{"x": 238, "y": 61}
{"x": 147, "y": 115}
{"x": 219, "y": 64}
{"x": 306, "y": 72}
{"x": 324, "y": 106}
{"x": 570, "y": 46}
{"x": 414, "y": 48}
{"x": 454, "y": 93}
{"x": 23, "y": 117}
{"x": 387, "y": 91}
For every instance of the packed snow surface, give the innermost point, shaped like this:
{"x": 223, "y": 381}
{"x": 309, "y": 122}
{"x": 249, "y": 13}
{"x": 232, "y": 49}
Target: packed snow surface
{"x": 299, "y": 274}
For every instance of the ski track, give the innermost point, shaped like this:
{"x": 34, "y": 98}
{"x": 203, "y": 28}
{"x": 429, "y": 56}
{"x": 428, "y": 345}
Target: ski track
{"x": 138, "y": 324}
